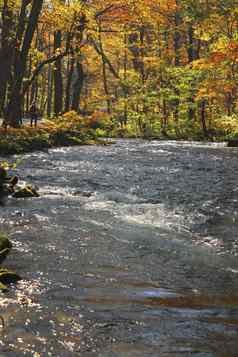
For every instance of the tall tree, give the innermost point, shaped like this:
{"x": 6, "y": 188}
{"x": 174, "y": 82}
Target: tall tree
{"x": 24, "y": 37}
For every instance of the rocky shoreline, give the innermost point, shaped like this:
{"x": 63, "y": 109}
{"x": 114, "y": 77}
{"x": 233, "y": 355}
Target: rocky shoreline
{"x": 9, "y": 186}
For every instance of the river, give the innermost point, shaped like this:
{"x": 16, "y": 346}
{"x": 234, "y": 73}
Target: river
{"x": 131, "y": 250}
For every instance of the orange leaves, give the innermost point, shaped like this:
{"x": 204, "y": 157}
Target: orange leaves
{"x": 229, "y": 55}
{"x": 217, "y": 57}
{"x": 216, "y": 89}
{"x": 232, "y": 51}
{"x": 168, "y": 5}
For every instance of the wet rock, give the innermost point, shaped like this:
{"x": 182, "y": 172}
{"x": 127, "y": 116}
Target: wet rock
{"x": 26, "y": 192}
{"x": 82, "y": 193}
{"x": 5, "y": 179}
{"x": 232, "y": 143}
{"x": 7, "y": 185}
{"x": 3, "y": 174}
{"x": 7, "y": 277}
{"x": 4, "y": 193}
{"x": 5, "y": 247}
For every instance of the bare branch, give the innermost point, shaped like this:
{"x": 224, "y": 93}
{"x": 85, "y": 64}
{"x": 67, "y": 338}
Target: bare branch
{"x": 41, "y": 65}
{"x": 105, "y": 58}
{"x": 102, "y": 12}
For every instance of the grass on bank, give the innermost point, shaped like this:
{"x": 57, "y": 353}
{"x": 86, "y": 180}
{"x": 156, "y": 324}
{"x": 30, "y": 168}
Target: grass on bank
{"x": 68, "y": 130}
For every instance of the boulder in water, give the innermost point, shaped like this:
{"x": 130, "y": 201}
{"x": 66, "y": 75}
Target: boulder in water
{"x": 3, "y": 174}
{"x": 82, "y": 193}
{"x": 7, "y": 184}
{"x": 232, "y": 143}
{"x": 26, "y": 192}
{"x": 4, "y": 193}
{"x": 7, "y": 277}
{"x": 5, "y": 247}
{"x": 5, "y": 179}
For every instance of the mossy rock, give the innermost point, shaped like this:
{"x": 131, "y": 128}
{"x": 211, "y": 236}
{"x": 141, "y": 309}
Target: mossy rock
{"x": 7, "y": 277}
{"x": 4, "y": 193}
{"x": 232, "y": 143}
{"x": 5, "y": 247}
{"x": 3, "y": 174}
{"x": 26, "y": 192}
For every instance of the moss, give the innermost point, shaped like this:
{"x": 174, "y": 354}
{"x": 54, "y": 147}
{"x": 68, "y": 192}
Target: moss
{"x": 5, "y": 247}
{"x": 6, "y": 276}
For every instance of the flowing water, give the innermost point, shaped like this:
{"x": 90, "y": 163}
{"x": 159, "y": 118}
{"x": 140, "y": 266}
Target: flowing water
{"x": 131, "y": 250}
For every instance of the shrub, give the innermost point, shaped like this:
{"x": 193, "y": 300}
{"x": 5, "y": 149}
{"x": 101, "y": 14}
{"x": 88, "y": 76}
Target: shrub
{"x": 100, "y": 120}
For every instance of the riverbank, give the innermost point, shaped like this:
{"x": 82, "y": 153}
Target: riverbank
{"x": 27, "y": 139}
{"x": 49, "y": 135}
{"x": 174, "y": 135}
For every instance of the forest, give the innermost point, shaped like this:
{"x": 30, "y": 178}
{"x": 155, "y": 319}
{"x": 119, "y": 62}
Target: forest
{"x": 130, "y": 68}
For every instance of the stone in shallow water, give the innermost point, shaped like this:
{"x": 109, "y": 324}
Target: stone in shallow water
{"x": 5, "y": 247}
{"x": 232, "y": 143}
{"x": 4, "y": 193}
{"x": 7, "y": 185}
{"x": 7, "y": 277}
{"x": 26, "y": 192}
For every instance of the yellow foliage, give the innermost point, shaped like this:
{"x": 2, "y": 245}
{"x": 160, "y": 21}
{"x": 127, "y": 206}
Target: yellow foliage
{"x": 229, "y": 124}
{"x": 70, "y": 120}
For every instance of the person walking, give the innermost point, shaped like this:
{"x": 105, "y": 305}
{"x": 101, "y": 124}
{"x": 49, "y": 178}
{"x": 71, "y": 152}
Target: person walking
{"x": 33, "y": 114}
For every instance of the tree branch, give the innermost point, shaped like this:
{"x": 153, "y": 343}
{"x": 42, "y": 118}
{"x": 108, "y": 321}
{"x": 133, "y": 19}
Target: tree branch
{"x": 105, "y": 59}
{"x": 102, "y": 12}
{"x": 41, "y": 65}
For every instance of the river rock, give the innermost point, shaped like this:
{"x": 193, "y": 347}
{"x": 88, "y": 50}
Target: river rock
{"x": 7, "y": 185}
{"x": 7, "y": 277}
{"x": 3, "y": 174}
{"x": 82, "y": 193}
{"x": 4, "y": 193}
{"x": 232, "y": 143}
{"x": 5, "y": 247}
{"x": 28, "y": 191}
{"x": 5, "y": 179}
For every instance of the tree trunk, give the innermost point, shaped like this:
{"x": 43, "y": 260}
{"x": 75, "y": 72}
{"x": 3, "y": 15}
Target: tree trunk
{"x": 49, "y": 82}
{"x": 191, "y": 57}
{"x": 164, "y": 125}
{"x": 49, "y": 90}
{"x": 203, "y": 118}
{"x": 58, "y": 80}
{"x": 69, "y": 84}
{"x": 125, "y": 89}
{"x": 177, "y": 38}
{"x": 14, "y": 109}
{"x": 104, "y": 71}
{"x": 177, "y": 46}
{"x": 6, "y": 52}
{"x": 190, "y": 47}
{"x": 77, "y": 87}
